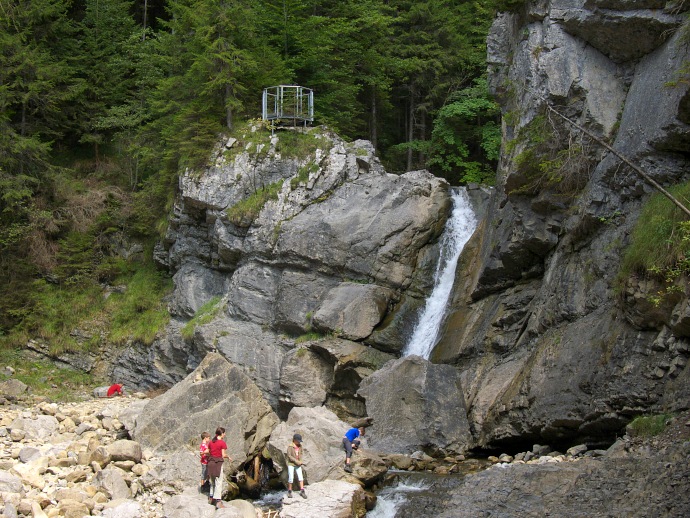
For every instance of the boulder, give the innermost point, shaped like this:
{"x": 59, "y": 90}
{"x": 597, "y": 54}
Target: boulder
{"x": 73, "y": 509}
{"x": 13, "y": 387}
{"x": 125, "y": 450}
{"x": 39, "y": 427}
{"x": 216, "y": 393}
{"x": 305, "y": 378}
{"x": 353, "y": 310}
{"x": 177, "y": 470}
{"x": 112, "y": 481}
{"x": 331, "y": 498}
{"x": 322, "y": 434}
{"x": 416, "y": 405}
{"x": 124, "y": 509}
{"x": 323, "y": 453}
{"x": 188, "y": 506}
{"x": 128, "y": 415}
{"x": 243, "y": 509}
{"x": 10, "y": 483}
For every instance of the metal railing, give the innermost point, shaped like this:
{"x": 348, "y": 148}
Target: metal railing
{"x": 288, "y": 104}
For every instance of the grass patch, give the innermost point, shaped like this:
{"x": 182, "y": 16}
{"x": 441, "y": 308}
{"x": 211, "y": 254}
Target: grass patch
{"x": 55, "y": 311}
{"x": 204, "y": 315}
{"x": 308, "y": 337}
{"x": 660, "y": 241}
{"x": 303, "y": 174}
{"x": 140, "y": 312}
{"x": 298, "y": 144}
{"x": 245, "y": 212}
{"x": 45, "y": 378}
{"x": 649, "y": 426}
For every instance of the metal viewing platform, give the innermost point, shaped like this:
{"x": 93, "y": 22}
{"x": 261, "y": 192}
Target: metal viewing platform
{"x": 288, "y": 105}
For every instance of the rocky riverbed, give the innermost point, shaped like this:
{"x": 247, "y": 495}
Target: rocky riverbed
{"x": 77, "y": 459}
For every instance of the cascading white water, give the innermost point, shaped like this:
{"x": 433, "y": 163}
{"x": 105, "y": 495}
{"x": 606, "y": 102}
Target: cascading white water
{"x": 458, "y": 231}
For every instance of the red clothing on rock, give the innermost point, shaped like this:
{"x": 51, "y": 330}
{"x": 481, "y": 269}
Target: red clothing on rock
{"x": 215, "y": 448}
{"x": 203, "y": 451}
{"x": 114, "y": 389}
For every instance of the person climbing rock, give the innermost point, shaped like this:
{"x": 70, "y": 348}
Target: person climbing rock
{"x": 294, "y": 464}
{"x": 351, "y": 442}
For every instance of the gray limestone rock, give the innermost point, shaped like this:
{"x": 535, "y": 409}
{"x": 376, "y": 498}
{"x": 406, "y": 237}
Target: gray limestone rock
{"x": 353, "y": 310}
{"x": 188, "y": 506}
{"x": 13, "y": 387}
{"x": 332, "y": 498}
{"x": 10, "y": 483}
{"x": 125, "y": 450}
{"x": 112, "y": 481}
{"x": 305, "y": 378}
{"x": 38, "y": 427}
{"x": 416, "y": 405}
{"x": 216, "y": 394}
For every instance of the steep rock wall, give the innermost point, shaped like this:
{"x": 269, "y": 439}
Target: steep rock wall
{"x": 548, "y": 347}
{"x": 340, "y": 249}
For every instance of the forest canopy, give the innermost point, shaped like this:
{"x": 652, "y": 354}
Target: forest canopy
{"x": 104, "y": 102}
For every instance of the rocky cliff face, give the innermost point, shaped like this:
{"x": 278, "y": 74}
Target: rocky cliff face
{"x": 549, "y": 348}
{"x": 288, "y": 236}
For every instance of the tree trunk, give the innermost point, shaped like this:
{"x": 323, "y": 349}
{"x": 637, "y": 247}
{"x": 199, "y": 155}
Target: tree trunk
{"x": 410, "y": 126}
{"x": 373, "y": 136}
{"x": 228, "y": 110}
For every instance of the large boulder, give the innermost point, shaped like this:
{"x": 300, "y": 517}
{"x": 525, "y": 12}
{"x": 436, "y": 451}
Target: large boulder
{"x": 331, "y": 498}
{"x": 38, "y": 427}
{"x": 323, "y": 453}
{"x": 13, "y": 387}
{"x": 216, "y": 394}
{"x": 188, "y": 506}
{"x": 353, "y": 310}
{"x": 328, "y": 372}
{"x": 415, "y": 405}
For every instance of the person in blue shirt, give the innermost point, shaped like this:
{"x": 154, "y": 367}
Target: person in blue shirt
{"x": 351, "y": 442}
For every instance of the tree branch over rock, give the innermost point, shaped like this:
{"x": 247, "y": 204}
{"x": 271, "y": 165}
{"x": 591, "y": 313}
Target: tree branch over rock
{"x": 622, "y": 157}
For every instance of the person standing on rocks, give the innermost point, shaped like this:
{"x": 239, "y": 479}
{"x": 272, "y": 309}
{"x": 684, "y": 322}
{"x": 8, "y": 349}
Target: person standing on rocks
{"x": 351, "y": 442}
{"x": 217, "y": 450}
{"x": 204, "y": 454}
{"x": 294, "y": 464}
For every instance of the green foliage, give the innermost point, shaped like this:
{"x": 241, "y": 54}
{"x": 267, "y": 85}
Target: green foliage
{"x": 245, "y": 212}
{"x": 204, "y": 315}
{"x": 44, "y": 378}
{"x": 550, "y": 158}
{"x": 54, "y": 311}
{"x": 660, "y": 242}
{"x": 303, "y": 174}
{"x": 139, "y": 313}
{"x": 649, "y": 426}
{"x": 466, "y": 138}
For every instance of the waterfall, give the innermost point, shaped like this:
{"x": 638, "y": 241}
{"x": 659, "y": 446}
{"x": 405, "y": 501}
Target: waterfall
{"x": 459, "y": 228}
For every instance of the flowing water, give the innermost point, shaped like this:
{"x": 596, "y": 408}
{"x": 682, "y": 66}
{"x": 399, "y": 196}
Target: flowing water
{"x": 412, "y": 494}
{"x": 458, "y": 231}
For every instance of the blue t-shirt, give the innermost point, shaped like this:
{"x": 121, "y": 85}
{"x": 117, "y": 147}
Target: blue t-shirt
{"x": 352, "y": 434}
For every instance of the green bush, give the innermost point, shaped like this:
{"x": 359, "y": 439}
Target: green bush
{"x": 551, "y": 158}
{"x": 649, "y": 426}
{"x": 57, "y": 310}
{"x": 660, "y": 241}
{"x": 140, "y": 312}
